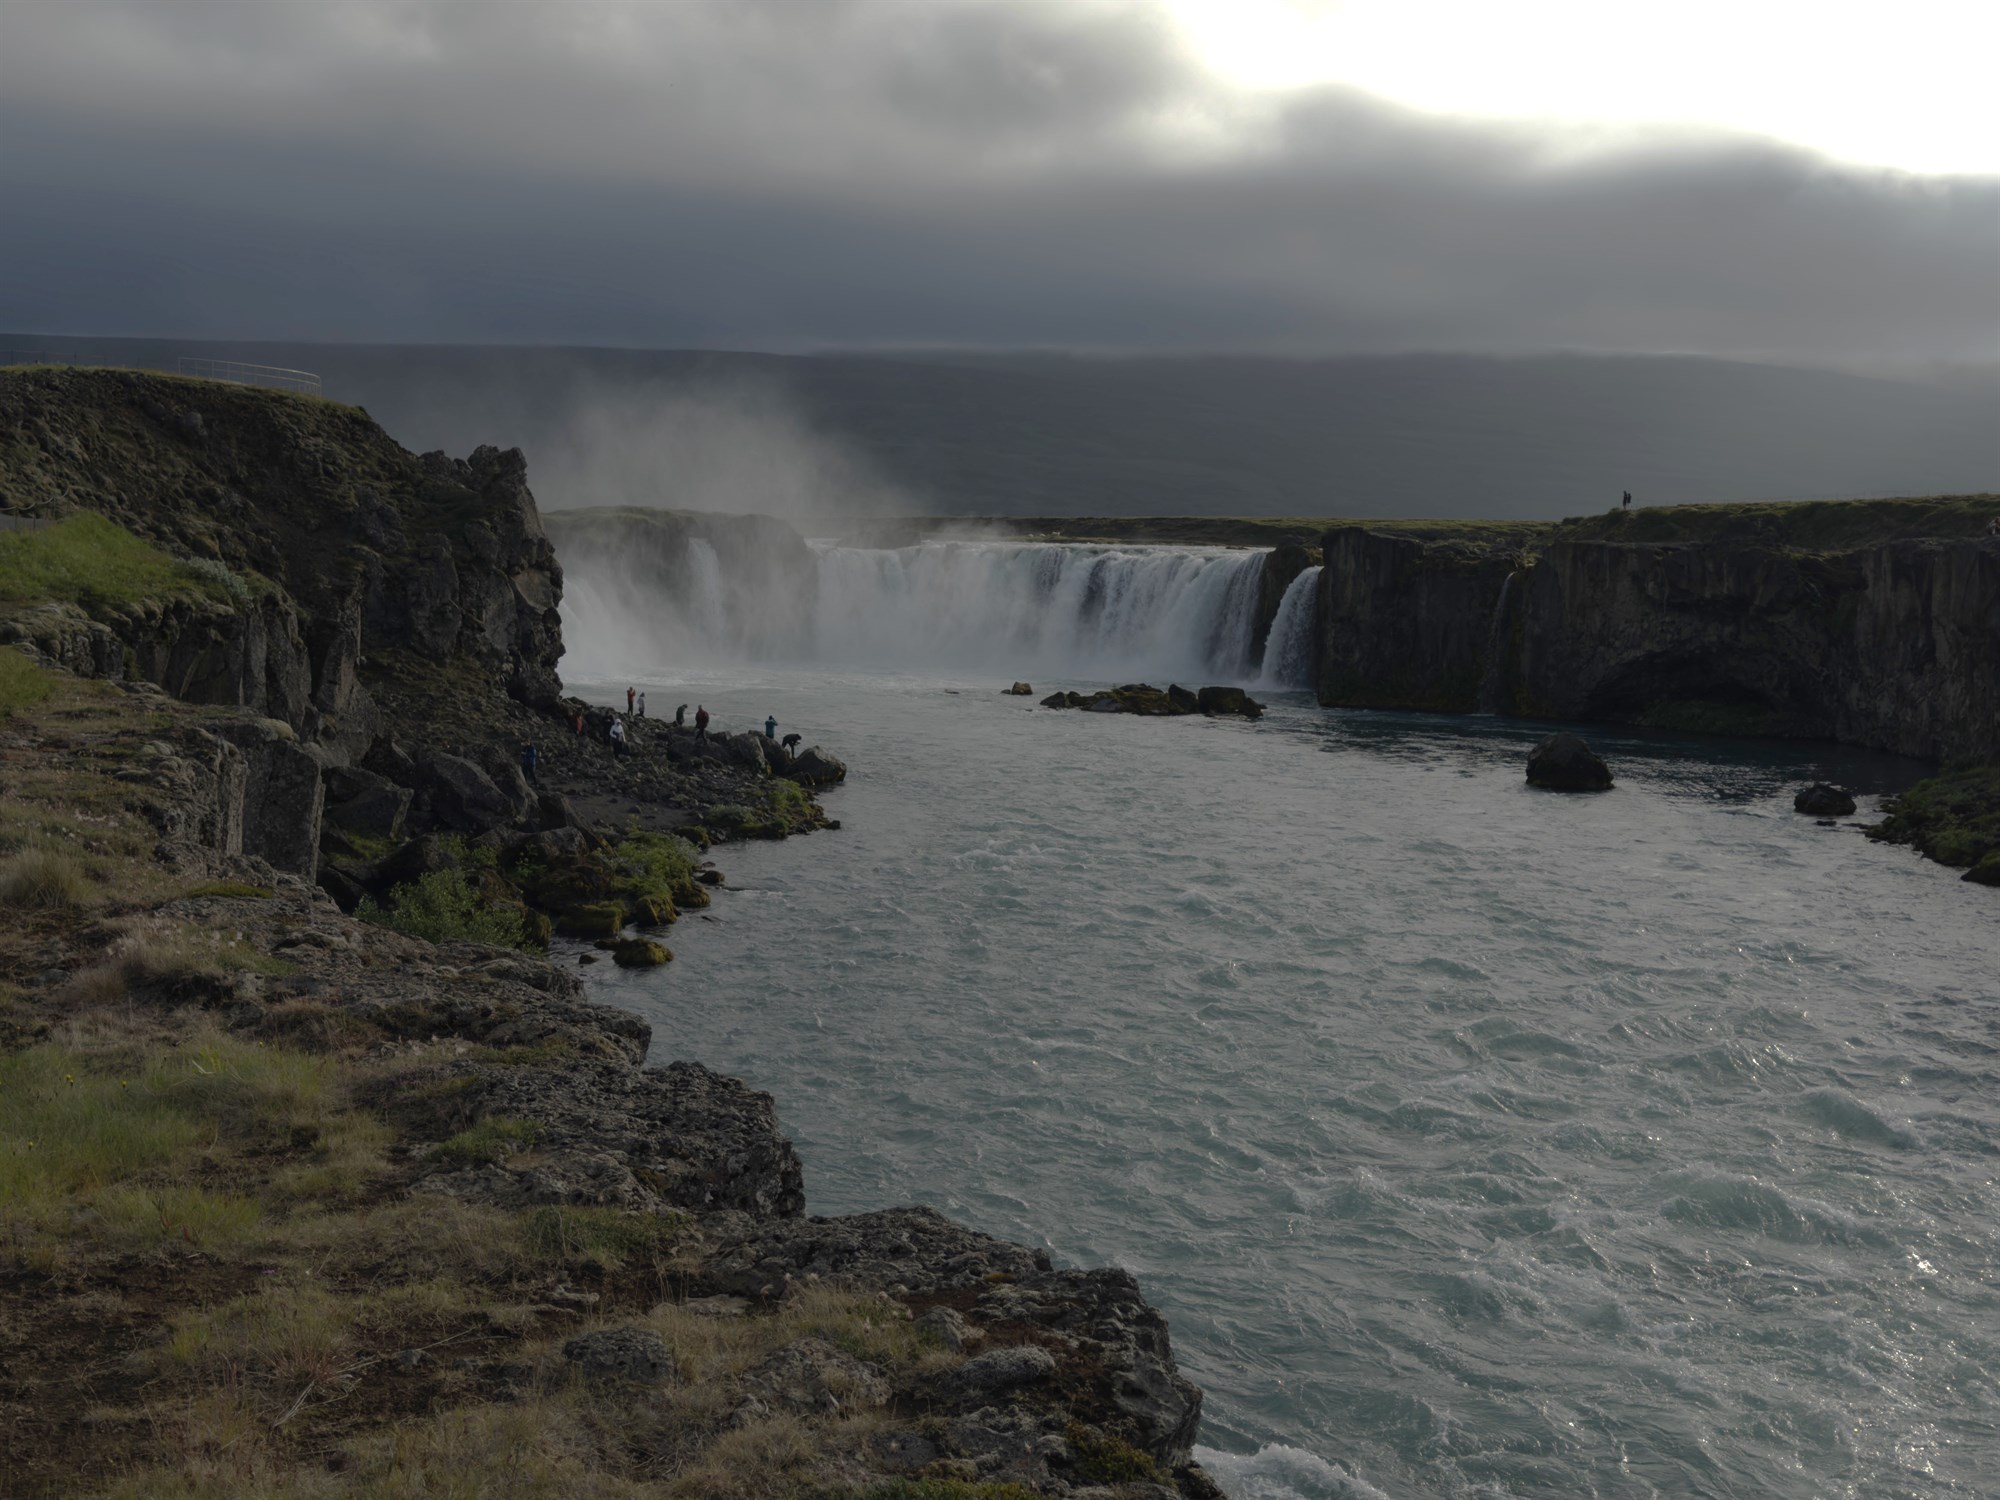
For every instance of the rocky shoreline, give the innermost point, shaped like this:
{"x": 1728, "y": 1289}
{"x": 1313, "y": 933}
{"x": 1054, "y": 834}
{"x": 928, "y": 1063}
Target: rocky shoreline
{"x": 402, "y": 1201}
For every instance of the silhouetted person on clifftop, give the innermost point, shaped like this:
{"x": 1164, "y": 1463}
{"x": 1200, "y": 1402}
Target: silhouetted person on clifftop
{"x": 701, "y": 723}
{"x": 681, "y": 717}
{"x": 1628, "y": 500}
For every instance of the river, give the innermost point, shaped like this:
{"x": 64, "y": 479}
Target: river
{"x": 1476, "y": 1141}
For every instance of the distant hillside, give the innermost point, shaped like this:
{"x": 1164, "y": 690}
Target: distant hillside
{"x": 1432, "y": 435}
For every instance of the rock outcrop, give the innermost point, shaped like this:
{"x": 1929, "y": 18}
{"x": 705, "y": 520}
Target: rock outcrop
{"x": 1823, "y": 801}
{"x": 1144, "y": 699}
{"x": 1805, "y": 621}
{"x": 1564, "y": 763}
{"x": 342, "y": 553}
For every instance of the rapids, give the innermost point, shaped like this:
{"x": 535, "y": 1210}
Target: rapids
{"x": 1477, "y": 1141}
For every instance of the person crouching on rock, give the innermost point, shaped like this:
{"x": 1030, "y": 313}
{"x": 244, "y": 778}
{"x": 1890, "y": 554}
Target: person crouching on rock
{"x": 792, "y": 746}
{"x": 700, "y": 723}
{"x": 618, "y": 745}
{"x": 530, "y": 759}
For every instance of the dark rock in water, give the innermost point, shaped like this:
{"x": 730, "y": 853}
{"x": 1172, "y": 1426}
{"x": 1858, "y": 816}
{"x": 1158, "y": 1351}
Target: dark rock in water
{"x": 1021, "y": 690}
{"x": 1564, "y": 763}
{"x": 1228, "y": 700}
{"x": 816, "y": 768}
{"x": 1185, "y": 699}
{"x": 640, "y": 953}
{"x": 591, "y": 919}
{"x": 1057, "y": 700}
{"x": 632, "y": 1354}
{"x": 1824, "y": 801}
{"x": 1986, "y": 872}
{"x": 1104, "y": 703}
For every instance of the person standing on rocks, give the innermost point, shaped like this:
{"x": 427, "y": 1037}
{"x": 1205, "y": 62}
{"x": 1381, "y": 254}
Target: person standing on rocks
{"x": 642, "y": 705}
{"x": 617, "y": 735}
{"x": 701, "y": 723}
{"x": 530, "y": 762}
{"x": 681, "y": 717}
{"x": 1628, "y": 500}
{"x": 628, "y": 700}
{"x": 770, "y": 726}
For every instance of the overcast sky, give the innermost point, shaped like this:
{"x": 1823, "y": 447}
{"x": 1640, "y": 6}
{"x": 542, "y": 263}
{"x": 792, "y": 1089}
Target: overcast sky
{"x": 1800, "y": 181}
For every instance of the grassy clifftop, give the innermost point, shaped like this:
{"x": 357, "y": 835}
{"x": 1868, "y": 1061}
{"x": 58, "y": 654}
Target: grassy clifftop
{"x": 1806, "y": 525}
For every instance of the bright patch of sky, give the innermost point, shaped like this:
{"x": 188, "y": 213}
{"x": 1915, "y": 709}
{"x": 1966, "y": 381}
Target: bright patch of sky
{"x": 1906, "y": 85}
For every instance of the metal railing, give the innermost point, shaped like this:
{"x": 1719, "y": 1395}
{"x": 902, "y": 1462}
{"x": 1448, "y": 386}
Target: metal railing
{"x": 276, "y": 376}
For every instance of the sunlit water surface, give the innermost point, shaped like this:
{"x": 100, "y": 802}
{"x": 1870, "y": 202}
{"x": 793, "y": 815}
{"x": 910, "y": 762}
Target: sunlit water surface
{"x": 1477, "y": 1141}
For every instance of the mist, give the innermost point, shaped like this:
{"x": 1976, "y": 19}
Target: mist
{"x": 736, "y": 448}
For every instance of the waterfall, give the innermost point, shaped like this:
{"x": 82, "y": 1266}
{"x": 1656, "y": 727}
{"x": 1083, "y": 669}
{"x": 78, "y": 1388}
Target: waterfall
{"x": 1018, "y": 609}
{"x": 1290, "y": 648}
{"x": 1491, "y": 681}
{"x": 995, "y": 608}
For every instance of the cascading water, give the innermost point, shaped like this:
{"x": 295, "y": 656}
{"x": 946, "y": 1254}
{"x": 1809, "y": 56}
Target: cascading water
{"x": 1012, "y": 609}
{"x": 1492, "y": 681}
{"x": 1288, "y": 650}
{"x": 1018, "y": 608}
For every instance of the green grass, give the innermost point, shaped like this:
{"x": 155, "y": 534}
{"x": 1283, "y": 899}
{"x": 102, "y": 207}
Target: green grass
{"x": 612, "y": 1237}
{"x": 240, "y": 890}
{"x": 486, "y": 1144}
{"x": 22, "y": 683}
{"x": 87, "y": 1144}
{"x": 92, "y": 562}
{"x": 43, "y": 878}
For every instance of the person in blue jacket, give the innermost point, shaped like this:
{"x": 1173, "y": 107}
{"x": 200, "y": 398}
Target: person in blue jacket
{"x": 771, "y": 727}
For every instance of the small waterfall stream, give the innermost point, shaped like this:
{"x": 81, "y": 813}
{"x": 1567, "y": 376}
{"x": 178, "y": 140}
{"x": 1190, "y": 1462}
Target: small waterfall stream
{"x": 1289, "y": 649}
{"x": 1492, "y": 682}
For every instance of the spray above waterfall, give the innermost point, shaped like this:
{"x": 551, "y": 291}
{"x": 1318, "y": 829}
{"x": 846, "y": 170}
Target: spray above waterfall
{"x": 711, "y": 595}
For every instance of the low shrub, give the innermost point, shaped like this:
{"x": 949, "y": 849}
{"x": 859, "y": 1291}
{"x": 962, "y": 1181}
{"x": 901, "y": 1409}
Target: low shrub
{"x": 43, "y": 878}
{"x": 442, "y": 907}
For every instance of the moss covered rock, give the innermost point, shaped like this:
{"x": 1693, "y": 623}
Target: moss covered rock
{"x": 591, "y": 919}
{"x": 640, "y": 953}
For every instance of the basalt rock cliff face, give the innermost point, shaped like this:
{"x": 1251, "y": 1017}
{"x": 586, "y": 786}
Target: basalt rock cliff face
{"x": 342, "y": 547}
{"x": 1885, "y": 640}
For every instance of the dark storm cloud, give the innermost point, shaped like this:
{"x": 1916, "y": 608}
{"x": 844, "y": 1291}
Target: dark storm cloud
{"x": 795, "y": 172}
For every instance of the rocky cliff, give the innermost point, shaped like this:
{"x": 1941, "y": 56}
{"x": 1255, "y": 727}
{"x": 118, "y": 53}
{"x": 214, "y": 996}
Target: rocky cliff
{"x": 1875, "y": 627}
{"x": 335, "y": 547}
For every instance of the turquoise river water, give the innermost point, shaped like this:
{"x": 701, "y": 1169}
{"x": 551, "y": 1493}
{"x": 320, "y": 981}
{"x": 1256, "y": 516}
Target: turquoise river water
{"x": 1476, "y": 1141}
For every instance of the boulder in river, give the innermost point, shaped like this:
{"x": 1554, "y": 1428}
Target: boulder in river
{"x": 815, "y": 767}
{"x": 1021, "y": 690}
{"x": 1824, "y": 801}
{"x": 1564, "y": 763}
{"x": 1228, "y": 700}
